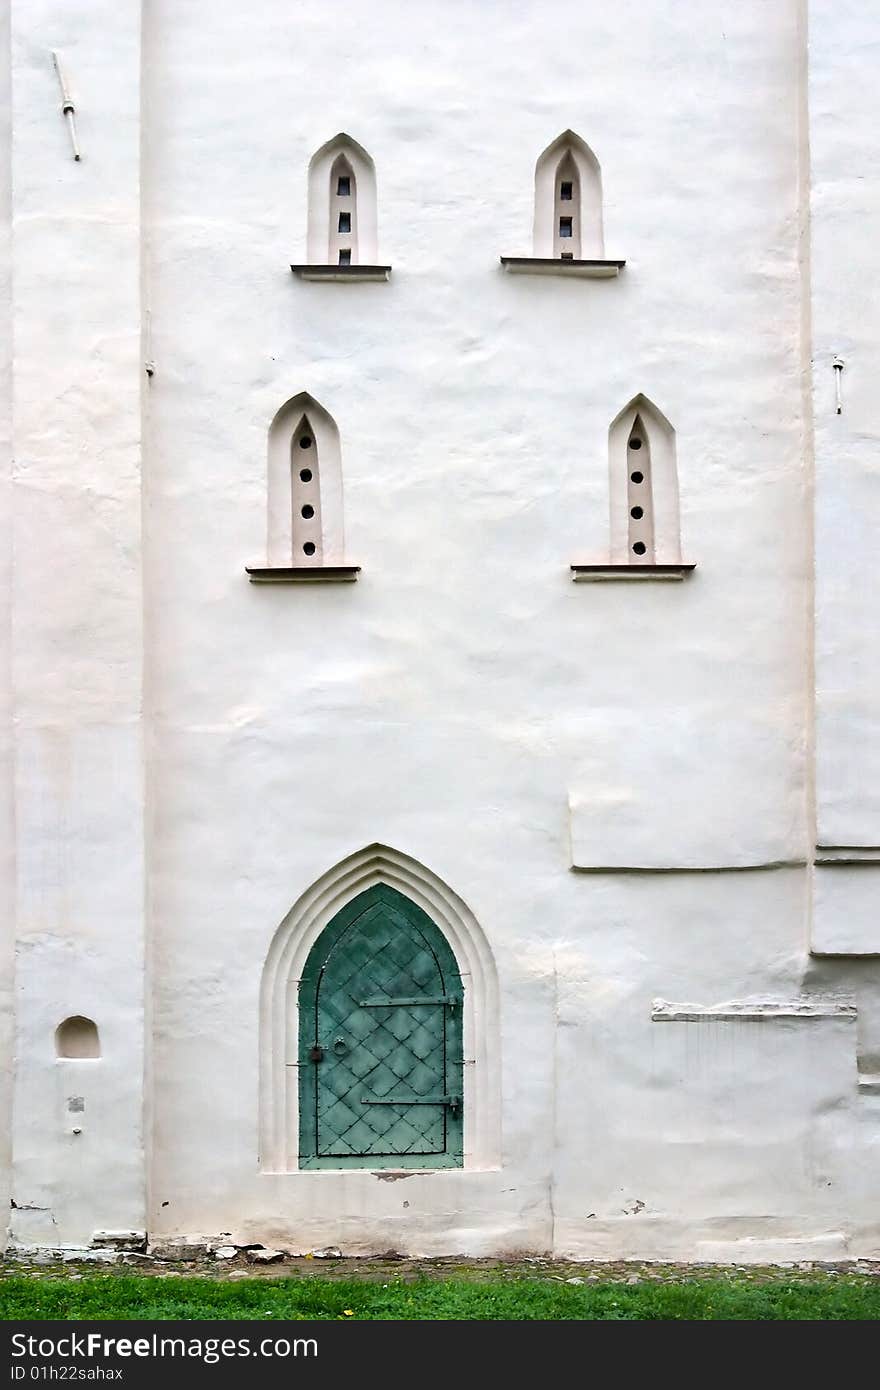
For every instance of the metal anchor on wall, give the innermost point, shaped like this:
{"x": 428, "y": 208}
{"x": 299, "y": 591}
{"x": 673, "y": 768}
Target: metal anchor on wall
{"x": 837, "y": 364}
{"x": 67, "y": 107}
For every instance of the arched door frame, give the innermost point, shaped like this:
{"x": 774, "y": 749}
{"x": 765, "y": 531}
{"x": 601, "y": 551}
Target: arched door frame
{"x": 285, "y": 963}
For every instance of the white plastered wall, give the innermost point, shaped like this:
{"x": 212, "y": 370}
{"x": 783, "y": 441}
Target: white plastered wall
{"x": 7, "y": 832}
{"x": 448, "y": 702}
{"x": 457, "y": 699}
{"x": 77, "y": 636}
{"x": 844, "y": 163}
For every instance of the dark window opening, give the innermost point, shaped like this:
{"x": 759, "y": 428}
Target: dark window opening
{"x": 308, "y": 512}
{"x": 565, "y": 226}
{"x": 635, "y": 512}
{"x": 345, "y": 222}
{"x": 637, "y": 477}
{"x": 639, "y": 547}
{"x": 309, "y": 548}
{"x": 305, "y": 475}
{"x": 565, "y": 191}
{"x": 345, "y": 258}
{"x": 305, "y": 442}
{"x": 343, "y": 187}
{"x": 567, "y": 256}
{"x": 635, "y": 444}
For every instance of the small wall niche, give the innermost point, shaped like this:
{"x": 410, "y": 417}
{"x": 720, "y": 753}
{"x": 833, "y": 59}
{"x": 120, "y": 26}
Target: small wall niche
{"x": 305, "y": 539}
{"x": 77, "y": 1037}
{"x": 645, "y": 540}
{"x": 342, "y": 241}
{"x": 568, "y": 235}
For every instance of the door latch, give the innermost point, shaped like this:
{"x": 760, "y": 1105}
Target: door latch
{"x": 316, "y": 1054}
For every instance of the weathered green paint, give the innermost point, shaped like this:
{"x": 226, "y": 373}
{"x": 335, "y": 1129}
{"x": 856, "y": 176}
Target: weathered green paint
{"x": 387, "y": 1092}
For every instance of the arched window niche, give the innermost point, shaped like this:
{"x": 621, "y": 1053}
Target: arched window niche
{"x": 645, "y": 537}
{"x": 568, "y": 233}
{"x": 306, "y": 540}
{"x": 379, "y": 892}
{"x": 342, "y": 236}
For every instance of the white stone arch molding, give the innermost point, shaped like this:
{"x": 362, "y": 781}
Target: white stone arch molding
{"x": 663, "y": 498}
{"x": 568, "y": 145}
{"x": 288, "y": 952}
{"x": 284, "y": 464}
{"x": 365, "y": 248}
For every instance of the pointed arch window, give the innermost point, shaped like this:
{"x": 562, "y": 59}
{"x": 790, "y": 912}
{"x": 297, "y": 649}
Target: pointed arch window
{"x": 306, "y": 539}
{"x": 645, "y": 538}
{"x": 342, "y": 215}
{"x": 568, "y": 234}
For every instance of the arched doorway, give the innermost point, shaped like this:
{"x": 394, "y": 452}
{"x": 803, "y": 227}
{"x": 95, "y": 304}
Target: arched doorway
{"x": 380, "y": 1040}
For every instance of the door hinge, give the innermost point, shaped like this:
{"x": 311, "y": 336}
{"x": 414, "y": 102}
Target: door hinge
{"x": 378, "y": 1001}
{"x": 452, "y": 1102}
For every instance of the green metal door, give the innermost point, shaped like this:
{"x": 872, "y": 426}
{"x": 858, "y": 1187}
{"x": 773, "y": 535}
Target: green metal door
{"x": 380, "y": 1038}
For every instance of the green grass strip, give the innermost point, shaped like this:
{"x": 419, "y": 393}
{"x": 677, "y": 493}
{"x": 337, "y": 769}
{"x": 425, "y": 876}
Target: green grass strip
{"x": 144, "y": 1297}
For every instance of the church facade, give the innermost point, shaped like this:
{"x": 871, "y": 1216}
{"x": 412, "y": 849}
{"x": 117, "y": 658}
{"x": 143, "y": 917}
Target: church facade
{"x": 441, "y": 689}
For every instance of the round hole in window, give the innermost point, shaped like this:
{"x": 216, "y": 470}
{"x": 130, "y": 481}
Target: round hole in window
{"x": 633, "y": 443}
{"x": 637, "y": 477}
{"x": 308, "y": 512}
{"x": 637, "y": 512}
{"x": 639, "y": 547}
{"x": 305, "y": 442}
{"x": 309, "y": 548}
{"x": 305, "y": 475}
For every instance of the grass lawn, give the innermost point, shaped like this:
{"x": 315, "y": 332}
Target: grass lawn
{"x": 146, "y": 1297}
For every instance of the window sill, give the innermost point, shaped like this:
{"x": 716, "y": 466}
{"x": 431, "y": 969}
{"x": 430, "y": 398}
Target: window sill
{"x": 552, "y": 265}
{"x": 342, "y": 272}
{"x": 586, "y": 574}
{"x": 302, "y": 574}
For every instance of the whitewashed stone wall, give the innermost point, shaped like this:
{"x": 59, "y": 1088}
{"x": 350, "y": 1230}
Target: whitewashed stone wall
{"x": 617, "y": 779}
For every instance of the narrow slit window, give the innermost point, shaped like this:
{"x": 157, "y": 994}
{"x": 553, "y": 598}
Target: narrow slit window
{"x": 640, "y": 527}
{"x": 567, "y": 240}
{"x": 305, "y": 497}
{"x": 343, "y": 213}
